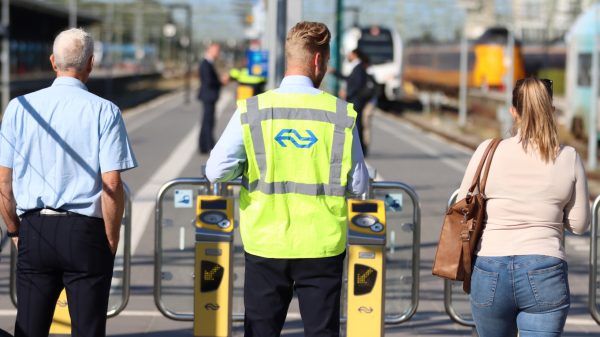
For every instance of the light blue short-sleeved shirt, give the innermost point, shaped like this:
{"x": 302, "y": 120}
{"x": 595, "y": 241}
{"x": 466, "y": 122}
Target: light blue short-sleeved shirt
{"x": 58, "y": 141}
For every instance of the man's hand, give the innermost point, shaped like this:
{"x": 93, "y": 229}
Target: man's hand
{"x": 8, "y": 205}
{"x": 113, "y": 247}
{"x": 225, "y": 79}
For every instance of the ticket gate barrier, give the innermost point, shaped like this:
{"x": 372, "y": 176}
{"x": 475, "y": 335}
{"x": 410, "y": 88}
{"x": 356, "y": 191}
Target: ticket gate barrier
{"x": 213, "y": 265}
{"x": 119, "y": 294}
{"x": 594, "y": 286}
{"x": 402, "y": 249}
{"x": 366, "y": 268}
{"x": 453, "y": 293}
{"x": 174, "y": 253}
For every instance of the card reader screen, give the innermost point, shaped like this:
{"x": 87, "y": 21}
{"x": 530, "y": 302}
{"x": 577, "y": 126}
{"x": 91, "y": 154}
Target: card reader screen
{"x": 213, "y": 204}
{"x": 364, "y": 208}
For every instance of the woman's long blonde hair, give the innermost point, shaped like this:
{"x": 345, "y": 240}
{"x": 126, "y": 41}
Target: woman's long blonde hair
{"x": 536, "y": 123}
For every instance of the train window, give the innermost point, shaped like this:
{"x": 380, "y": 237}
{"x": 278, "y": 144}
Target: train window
{"x": 420, "y": 59}
{"x": 584, "y": 63}
{"x": 379, "y": 48}
{"x": 448, "y": 61}
{"x": 378, "y": 51}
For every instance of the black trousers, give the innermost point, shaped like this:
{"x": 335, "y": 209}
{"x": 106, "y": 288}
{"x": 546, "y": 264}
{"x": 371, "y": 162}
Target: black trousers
{"x": 207, "y": 141}
{"x": 70, "y": 251}
{"x": 268, "y": 290}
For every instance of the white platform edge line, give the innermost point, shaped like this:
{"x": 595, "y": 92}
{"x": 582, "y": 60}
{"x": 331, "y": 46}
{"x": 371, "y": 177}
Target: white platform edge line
{"x": 144, "y": 200}
{"x": 457, "y": 165}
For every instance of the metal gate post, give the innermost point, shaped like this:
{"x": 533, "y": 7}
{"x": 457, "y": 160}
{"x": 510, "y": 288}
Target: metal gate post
{"x": 450, "y": 310}
{"x": 416, "y": 247}
{"x": 593, "y": 286}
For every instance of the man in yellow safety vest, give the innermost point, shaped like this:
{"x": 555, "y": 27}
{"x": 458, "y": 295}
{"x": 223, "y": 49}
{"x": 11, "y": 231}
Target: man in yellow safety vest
{"x": 248, "y": 84}
{"x": 299, "y": 155}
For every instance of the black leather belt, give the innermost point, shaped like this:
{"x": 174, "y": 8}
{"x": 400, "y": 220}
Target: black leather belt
{"x": 49, "y": 212}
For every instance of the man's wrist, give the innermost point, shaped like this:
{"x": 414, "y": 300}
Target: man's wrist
{"x": 12, "y": 234}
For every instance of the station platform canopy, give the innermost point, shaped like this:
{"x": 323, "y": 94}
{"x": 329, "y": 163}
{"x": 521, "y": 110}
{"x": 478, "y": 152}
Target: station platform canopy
{"x": 41, "y": 21}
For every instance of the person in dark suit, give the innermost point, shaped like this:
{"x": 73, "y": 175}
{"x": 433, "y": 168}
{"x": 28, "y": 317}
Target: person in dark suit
{"x": 355, "y": 85}
{"x": 355, "y": 90}
{"x": 210, "y": 87}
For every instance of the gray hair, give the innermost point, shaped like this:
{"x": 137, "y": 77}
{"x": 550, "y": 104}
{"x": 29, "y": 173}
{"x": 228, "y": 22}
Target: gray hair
{"x": 72, "y": 49}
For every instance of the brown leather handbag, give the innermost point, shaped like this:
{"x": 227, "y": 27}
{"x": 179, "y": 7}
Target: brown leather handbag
{"x": 462, "y": 228}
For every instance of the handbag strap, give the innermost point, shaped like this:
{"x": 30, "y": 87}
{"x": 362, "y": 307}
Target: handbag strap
{"x": 483, "y": 180}
{"x": 466, "y": 233}
{"x": 476, "y": 178}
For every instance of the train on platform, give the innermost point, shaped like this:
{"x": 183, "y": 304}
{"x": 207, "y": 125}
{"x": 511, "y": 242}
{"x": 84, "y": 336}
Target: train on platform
{"x": 431, "y": 66}
{"x": 581, "y": 40}
{"x": 434, "y": 66}
{"x": 383, "y": 48}
{"x": 568, "y": 62}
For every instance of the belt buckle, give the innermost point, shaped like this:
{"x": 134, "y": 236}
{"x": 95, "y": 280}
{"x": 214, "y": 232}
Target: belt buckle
{"x": 47, "y": 211}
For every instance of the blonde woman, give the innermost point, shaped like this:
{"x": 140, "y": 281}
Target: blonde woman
{"x": 536, "y": 188}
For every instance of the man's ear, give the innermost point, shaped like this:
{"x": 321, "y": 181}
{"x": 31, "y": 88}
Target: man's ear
{"x": 317, "y": 60}
{"x": 90, "y": 64}
{"x": 53, "y": 63}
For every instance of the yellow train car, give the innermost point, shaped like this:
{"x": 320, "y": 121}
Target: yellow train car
{"x": 437, "y": 66}
{"x": 433, "y": 66}
{"x": 491, "y": 65}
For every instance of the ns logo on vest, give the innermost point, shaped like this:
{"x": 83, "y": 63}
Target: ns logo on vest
{"x": 296, "y": 139}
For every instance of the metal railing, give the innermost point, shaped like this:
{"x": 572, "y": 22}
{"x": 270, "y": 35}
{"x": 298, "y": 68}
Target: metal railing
{"x": 593, "y": 287}
{"x": 448, "y": 290}
{"x": 416, "y": 245}
{"x": 158, "y": 246}
{"x": 126, "y": 272}
{"x": 205, "y": 187}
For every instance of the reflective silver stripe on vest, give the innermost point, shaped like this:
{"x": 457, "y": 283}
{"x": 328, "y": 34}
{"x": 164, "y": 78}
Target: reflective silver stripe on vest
{"x": 341, "y": 121}
{"x": 256, "y": 134}
{"x": 339, "y": 138}
{"x": 298, "y": 114}
{"x": 283, "y": 187}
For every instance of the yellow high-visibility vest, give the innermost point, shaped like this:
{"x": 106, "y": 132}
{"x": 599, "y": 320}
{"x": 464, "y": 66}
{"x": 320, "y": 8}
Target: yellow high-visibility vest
{"x": 243, "y": 76}
{"x": 293, "y": 195}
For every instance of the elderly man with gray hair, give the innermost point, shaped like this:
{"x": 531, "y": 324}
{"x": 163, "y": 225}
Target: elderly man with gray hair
{"x": 62, "y": 151}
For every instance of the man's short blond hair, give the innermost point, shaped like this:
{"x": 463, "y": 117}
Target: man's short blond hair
{"x": 306, "y": 39}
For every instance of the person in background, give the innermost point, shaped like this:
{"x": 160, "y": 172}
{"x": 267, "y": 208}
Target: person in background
{"x": 62, "y": 151}
{"x": 210, "y": 88}
{"x": 248, "y": 83}
{"x": 370, "y": 93}
{"x": 535, "y": 190}
{"x": 298, "y": 153}
{"x": 355, "y": 90}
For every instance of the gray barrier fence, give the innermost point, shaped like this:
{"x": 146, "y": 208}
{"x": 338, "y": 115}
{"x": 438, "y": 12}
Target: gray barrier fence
{"x": 594, "y": 286}
{"x": 174, "y": 242}
{"x": 453, "y": 293}
{"x": 119, "y": 293}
